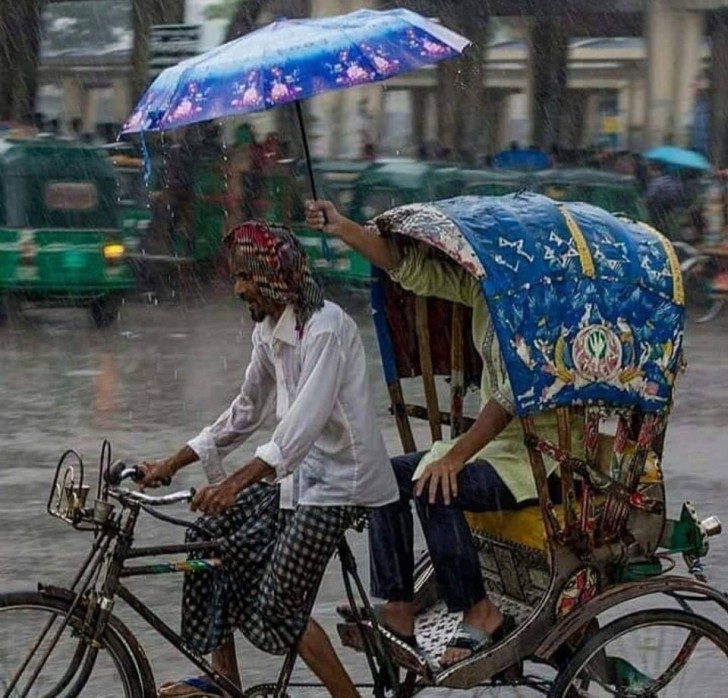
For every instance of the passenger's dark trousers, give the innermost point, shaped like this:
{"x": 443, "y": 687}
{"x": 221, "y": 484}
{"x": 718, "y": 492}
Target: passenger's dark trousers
{"x": 451, "y": 545}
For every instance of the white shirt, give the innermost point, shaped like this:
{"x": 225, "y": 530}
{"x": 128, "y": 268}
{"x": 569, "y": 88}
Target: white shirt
{"x": 326, "y": 433}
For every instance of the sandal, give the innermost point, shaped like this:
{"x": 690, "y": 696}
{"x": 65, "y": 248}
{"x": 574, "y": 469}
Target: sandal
{"x": 190, "y": 687}
{"x": 350, "y": 616}
{"x": 475, "y": 640}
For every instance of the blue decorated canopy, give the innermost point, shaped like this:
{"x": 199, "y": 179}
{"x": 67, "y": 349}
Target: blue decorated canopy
{"x": 588, "y": 307}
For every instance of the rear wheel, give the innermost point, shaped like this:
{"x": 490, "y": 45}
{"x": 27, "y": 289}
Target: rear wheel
{"x": 105, "y": 310}
{"x": 658, "y": 652}
{"x": 30, "y": 621}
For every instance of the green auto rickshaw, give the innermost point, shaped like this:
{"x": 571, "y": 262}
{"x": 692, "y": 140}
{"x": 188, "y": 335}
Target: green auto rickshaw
{"x": 133, "y": 195}
{"x": 613, "y": 192}
{"x": 60, "y": 241}
{"x": 495, "y": 182}
{"x": 389, "y": 183}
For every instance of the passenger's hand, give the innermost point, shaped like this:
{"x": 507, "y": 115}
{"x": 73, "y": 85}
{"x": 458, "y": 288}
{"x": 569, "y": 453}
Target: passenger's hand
{"x": 215, "y": 499}
{"x": 322, "y": 215}
{"x": 155, "y": 471}
{"x": 441, "y": 473}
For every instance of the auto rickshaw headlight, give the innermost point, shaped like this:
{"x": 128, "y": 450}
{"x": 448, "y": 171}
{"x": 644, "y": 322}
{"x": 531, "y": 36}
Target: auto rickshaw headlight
{"x": 113, "y": 251}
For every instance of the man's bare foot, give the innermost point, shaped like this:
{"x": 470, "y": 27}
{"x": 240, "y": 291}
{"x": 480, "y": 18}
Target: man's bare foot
{"x": 485, "y": 618}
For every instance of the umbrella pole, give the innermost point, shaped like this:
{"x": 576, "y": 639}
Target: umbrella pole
{"x": 307, "y": 153}
{"x": 325, "y": 249}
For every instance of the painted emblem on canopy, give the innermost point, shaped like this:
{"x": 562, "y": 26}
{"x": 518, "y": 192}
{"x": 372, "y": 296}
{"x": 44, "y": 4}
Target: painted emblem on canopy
{"x": 581, "y": 587}
{"x": 597, "y": 353}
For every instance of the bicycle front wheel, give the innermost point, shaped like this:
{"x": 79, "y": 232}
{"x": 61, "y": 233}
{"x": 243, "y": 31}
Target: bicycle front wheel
{"x": 40, "y": 658}
{"x": 657, "y": 652}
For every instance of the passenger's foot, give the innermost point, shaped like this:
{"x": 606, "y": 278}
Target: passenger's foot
{"x": 482, "y": 625}
{"x": 395, "y": 616}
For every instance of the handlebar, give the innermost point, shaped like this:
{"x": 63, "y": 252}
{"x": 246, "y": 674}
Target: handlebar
{"x": 152, "y": 500}
{"x": 120, "y": 471}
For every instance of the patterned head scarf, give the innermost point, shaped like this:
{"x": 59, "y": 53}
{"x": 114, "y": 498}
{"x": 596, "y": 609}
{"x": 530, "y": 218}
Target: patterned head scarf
{"x": 279, "y": 267}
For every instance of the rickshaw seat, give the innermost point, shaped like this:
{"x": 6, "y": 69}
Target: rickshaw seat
{"x": 526, "y": 526}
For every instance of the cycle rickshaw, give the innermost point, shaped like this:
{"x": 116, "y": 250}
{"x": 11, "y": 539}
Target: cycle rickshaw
{"x": 589, "y": 311}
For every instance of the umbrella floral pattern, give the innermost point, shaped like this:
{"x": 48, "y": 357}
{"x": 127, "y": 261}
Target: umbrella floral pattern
{"x": 290, "y": 60}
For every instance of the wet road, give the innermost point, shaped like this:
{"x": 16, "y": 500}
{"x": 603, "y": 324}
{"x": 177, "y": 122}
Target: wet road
{"x": 159, "y": 375}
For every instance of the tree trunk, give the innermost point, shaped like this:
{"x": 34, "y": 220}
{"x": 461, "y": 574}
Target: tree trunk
{"x": 461, "y": 128}
{"x": 167, "y": 11}
{"x": 141, "y": 22}
{"x": 461, "y": 85}
{"x": 243, "y": 20}
{"x": 719, "y": 92}
{"x": 286, "y": 119}
{"x": 549, "y": 49}
{"x": 19, "y": 54}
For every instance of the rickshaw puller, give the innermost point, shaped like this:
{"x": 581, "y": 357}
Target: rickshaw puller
{"x": 487, "y": 469}
{"x": 280, "y": 517}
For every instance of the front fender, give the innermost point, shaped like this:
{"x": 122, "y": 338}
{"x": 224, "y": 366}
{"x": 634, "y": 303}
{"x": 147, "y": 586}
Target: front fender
{"x": 577, "y": 619}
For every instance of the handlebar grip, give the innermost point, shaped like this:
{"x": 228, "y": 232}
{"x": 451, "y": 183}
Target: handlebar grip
{"x": 138, "y": 476}
{"x": 113, "y": 474}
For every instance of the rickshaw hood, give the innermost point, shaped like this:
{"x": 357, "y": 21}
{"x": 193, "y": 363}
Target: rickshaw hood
{"x": 588, "y": 307}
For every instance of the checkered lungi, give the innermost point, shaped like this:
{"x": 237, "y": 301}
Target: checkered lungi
{"x": 273, "y": 562}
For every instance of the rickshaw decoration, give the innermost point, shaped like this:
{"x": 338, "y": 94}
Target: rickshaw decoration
{"x": 581, "y": 588}
{"x": 588, "y": 308}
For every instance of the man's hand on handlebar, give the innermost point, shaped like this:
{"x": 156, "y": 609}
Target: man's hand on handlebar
{"x": 156, "y": 472}
{"x": 215, "y": 499}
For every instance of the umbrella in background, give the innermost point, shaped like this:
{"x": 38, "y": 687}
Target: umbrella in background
{"x": 290, "y": 60}
{"x": 678, "y": 158}
{"x": 520, "y": 159}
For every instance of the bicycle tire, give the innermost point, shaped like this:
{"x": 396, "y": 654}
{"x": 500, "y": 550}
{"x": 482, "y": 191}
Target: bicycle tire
{"x": 133, "y": 680}
{"x": 562, "y": 686}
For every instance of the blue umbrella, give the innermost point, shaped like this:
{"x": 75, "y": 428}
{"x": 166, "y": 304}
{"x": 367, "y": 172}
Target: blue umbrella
{"x": 679, "y": 158}
{"x": 520, "y": 159}
{"x": 290, "y": 60}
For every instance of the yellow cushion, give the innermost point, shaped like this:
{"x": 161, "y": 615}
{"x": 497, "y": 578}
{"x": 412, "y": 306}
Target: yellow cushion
{"x": 525, "y": 526}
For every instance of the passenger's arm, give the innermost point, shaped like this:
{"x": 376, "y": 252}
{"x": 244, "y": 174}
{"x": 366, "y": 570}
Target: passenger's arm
{"x": 491, "y": 421}
{"x": 414, "y": 269}
{"x": 322, "y": 215}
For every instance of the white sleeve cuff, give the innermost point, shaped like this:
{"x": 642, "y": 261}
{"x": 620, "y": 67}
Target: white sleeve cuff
{"x": 271, "y": 454}
{"x": 204, "y": 446}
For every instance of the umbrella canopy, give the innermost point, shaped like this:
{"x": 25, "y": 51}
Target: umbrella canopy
{"x": 520, "y": 159}
{"x": 290, "y": 60}
{"x": 678, "y": 157}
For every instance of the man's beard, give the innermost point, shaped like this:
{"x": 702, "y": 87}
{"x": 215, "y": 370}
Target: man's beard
{"x": 256, "y": 313}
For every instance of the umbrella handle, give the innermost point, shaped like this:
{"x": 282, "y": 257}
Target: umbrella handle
{"x": 325, "y": 248}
